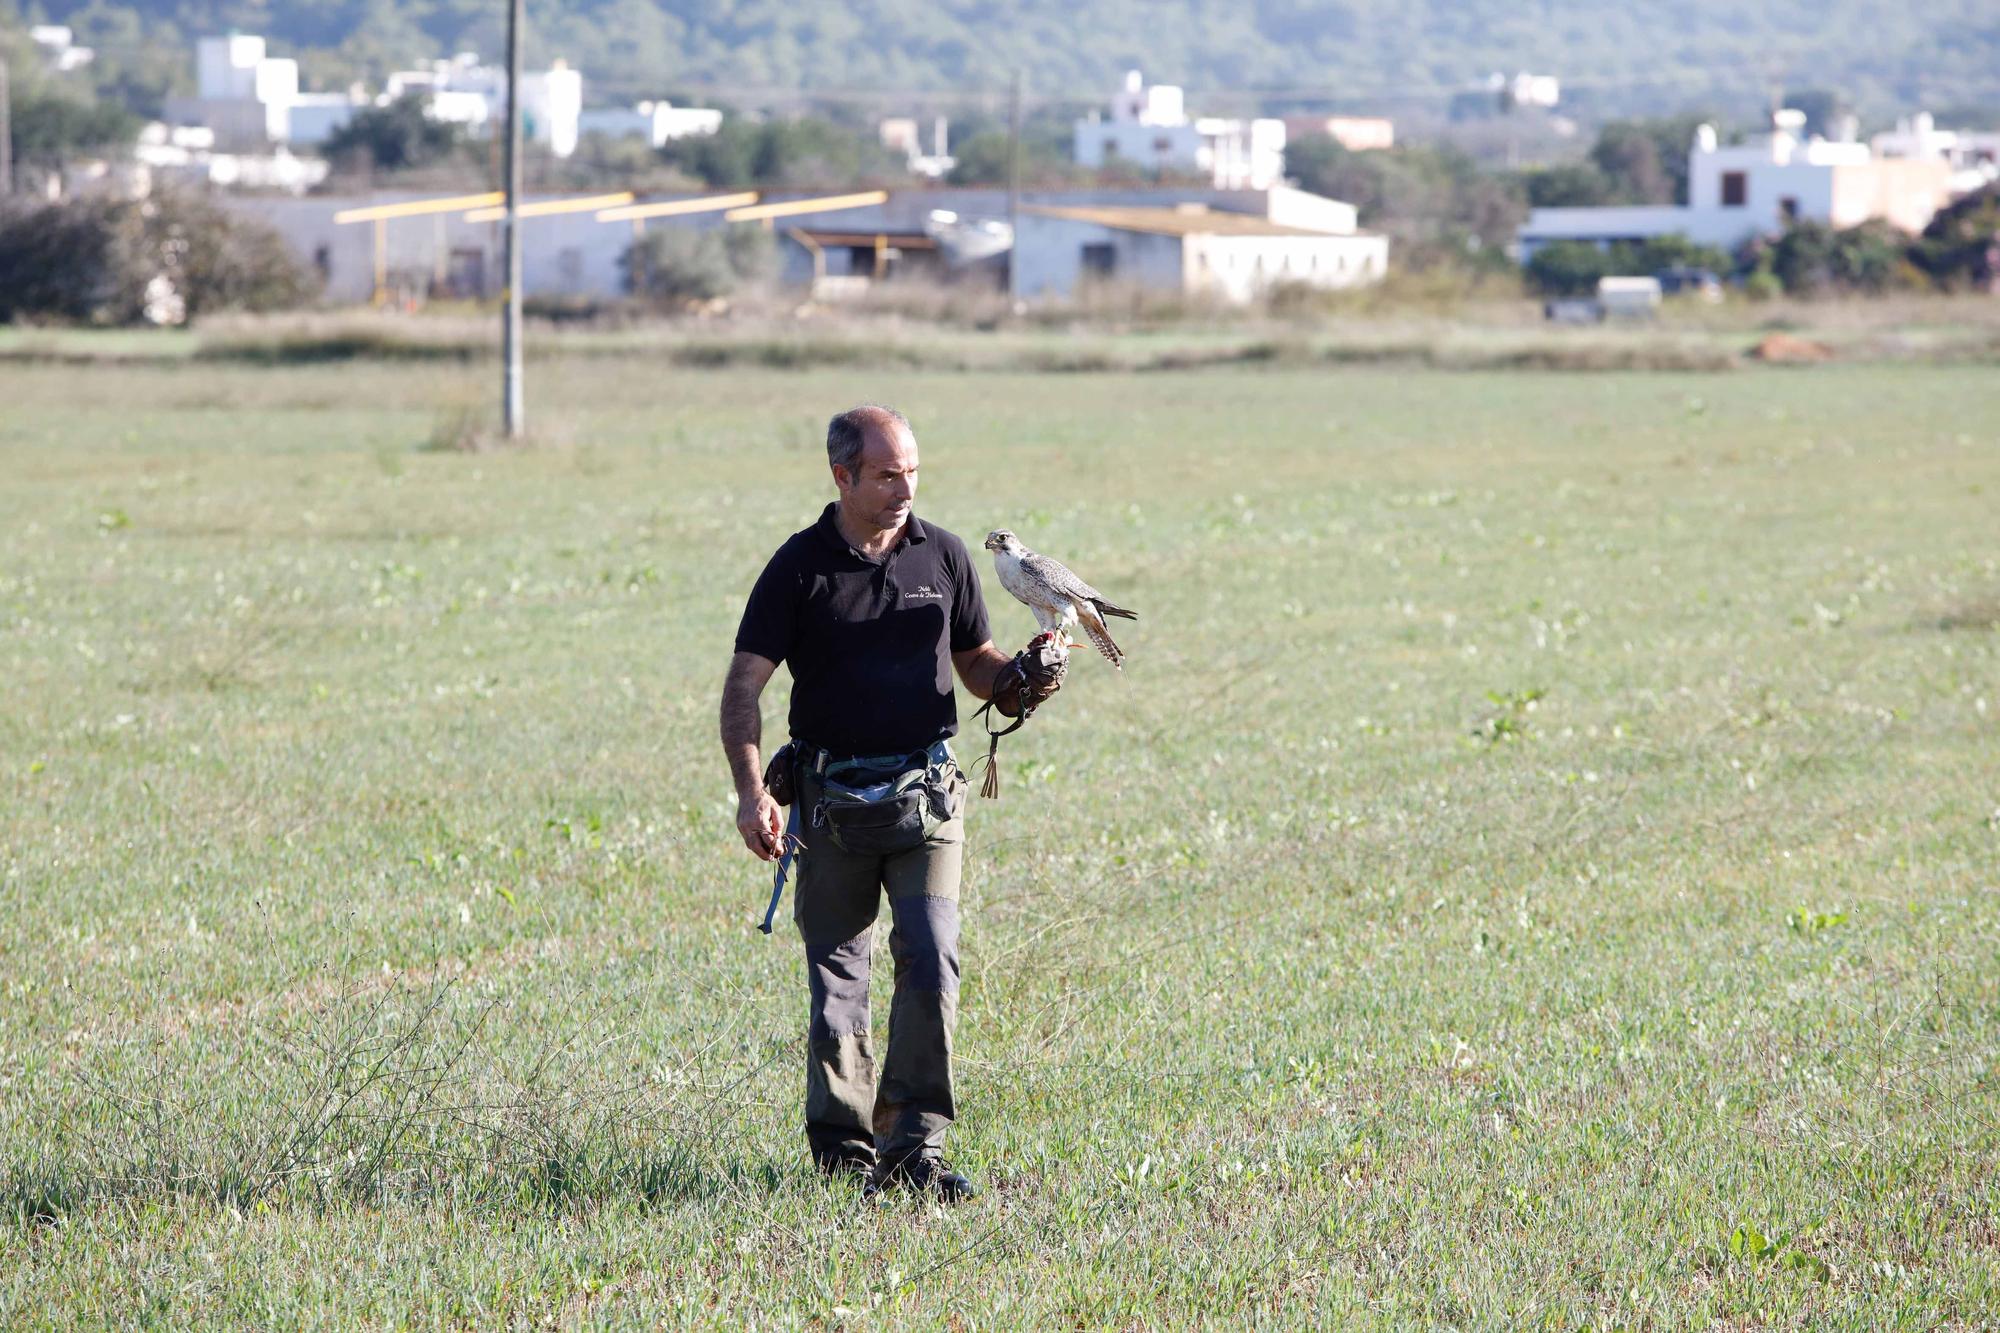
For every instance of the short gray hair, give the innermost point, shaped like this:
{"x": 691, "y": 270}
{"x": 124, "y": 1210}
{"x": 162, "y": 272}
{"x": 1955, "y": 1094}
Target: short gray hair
{"x": 848, "y": 432}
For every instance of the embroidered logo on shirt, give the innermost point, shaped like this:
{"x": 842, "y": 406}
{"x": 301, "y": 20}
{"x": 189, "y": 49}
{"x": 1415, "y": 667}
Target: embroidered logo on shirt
{"x": 923, "y": 593}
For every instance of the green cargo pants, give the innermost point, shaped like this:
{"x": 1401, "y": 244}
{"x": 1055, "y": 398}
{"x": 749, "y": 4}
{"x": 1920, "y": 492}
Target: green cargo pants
{"x": 848, "y": 1115}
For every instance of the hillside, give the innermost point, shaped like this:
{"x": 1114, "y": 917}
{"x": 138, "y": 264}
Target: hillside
{"x": 1404, "y": 54}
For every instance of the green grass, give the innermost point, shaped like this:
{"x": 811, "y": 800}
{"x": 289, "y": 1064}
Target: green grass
{"x": 1538, "y": 868}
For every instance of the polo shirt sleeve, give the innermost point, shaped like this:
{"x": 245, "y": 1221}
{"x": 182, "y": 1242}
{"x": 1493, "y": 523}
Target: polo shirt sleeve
{"x": 968, "y": 605}
{"x": 771, "y": 617}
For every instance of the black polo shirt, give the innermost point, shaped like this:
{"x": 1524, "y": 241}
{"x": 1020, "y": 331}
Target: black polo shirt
{"x": 869, "y": 642}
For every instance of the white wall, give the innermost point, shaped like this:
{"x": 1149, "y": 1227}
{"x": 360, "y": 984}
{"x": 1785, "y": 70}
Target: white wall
{"x": 1292, "y": 207}
{"x": 1239, "y": 268}
{"x": 1148, "y": 147}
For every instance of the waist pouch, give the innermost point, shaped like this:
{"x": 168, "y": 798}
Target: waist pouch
{"x": 874, "y": 811}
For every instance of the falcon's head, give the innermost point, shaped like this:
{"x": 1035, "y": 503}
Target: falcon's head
{"x": 1000, "y": 539}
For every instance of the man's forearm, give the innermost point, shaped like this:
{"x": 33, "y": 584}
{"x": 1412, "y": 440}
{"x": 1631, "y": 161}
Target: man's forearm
{"x": 978, "y": 673}
{"x": 742, "y": 734}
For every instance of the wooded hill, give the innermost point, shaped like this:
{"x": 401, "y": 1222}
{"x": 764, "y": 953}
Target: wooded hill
{"x": 1396, "y": 54}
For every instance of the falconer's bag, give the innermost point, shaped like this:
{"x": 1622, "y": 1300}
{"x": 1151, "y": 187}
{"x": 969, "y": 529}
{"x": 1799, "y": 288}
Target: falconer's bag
{"x": 874, "y": 808}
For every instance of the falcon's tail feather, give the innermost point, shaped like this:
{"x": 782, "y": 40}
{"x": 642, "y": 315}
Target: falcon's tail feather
{"x": 1106, "y": 608}
{"x": 1093, "y": 625}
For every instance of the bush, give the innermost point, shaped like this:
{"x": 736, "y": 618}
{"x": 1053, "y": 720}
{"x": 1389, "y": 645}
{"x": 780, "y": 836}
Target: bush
{"x": 167, "y": 259}
{"x": 681, "y": 265}
{"x": 1961, "y": 246}
{"x": 1812, "y": 258}
{"x": 1572, "y": 268}
{"x": 1567, "y": 268}
{"x": 76, "y": 262}
{"x": 396, "y": 137}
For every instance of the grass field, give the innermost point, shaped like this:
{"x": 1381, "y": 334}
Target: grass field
{"x": 1541, "y": 866}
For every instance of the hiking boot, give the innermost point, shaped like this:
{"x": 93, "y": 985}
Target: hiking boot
{"x": 924, "y": 1174}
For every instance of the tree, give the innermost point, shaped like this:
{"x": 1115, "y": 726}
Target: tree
{"x": 1629, "y": 159}
{"x": 1572, "y": 268}
{"x": 1812, "y": 258}
{"x": 50, "y": 128}
{"x": 1567, "y": 268}
{"x": 396, "y": 137}
{"x": 681, "y": 265}
{"x": 1425, "y": 196}
{"x": 800, "y": 152}
{"x": 116, "y": 261}
{"x": 1574, "y": 186}
{"x": 1646, "y": 161}
{"x": 1961, "y": 246}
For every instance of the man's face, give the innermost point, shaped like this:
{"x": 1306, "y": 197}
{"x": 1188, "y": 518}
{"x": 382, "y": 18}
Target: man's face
{"x": 884, "y": 484}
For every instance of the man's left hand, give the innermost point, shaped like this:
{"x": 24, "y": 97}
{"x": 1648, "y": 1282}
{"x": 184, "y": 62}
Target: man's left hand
{"x": 1034, "y": 674}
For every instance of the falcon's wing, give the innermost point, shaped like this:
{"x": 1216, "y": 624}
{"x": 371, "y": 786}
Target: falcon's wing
{"x": 1056, "y": 576}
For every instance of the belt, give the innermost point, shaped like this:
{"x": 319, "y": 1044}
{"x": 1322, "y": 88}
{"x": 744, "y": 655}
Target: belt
{"x": 820, "y": 762}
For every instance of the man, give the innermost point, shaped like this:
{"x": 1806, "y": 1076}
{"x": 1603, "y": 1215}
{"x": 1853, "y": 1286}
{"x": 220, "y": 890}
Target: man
{"x": 872, "y": 609}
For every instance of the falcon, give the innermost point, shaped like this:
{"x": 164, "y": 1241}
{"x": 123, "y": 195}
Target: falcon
{"x": 1056, "y": 596}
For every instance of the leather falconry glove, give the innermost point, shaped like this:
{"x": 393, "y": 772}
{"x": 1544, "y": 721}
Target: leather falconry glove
{"x": 1019, "y": 688}
{"x": 1030, "y": 678}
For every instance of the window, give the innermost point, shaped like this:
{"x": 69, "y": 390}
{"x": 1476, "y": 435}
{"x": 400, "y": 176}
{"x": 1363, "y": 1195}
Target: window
{"x": 1100, "y": 259}
{"x": 1735, "y": 189}
{"x": 1110, "y": 148}
{"x": 569, "y": 263}
{"x": 1163, "y": 145}
{"x": 1788, "y": 209}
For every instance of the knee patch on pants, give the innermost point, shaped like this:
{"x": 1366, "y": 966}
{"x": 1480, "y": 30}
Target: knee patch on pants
{"x": 926, "y": 942}
{"x": 838, "y": 979}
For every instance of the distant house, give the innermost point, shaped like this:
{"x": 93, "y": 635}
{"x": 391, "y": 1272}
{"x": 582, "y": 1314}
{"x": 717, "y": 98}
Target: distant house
{"x": 901, "y": 134}
{"x": 1972, "y": 155}
{"x": 465, "y": 92}
{"x": 657, "y": 123}
{"x": 1149, "y": 127}
{"x": 251, "y": 99}
{"x": 1229, "y": 243}
{"x": 56, "y": 43}
{"x": 1737, "y": 192}
{"x": 243, "y": 93}
{"x": 1196, "y": 249}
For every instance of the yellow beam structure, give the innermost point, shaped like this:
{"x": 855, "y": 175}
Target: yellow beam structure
{"x": 793, "y": 207}
{"x": 418, "y": 208}
{"x": 671, "y": 208}
{"x": 551, "y": 207}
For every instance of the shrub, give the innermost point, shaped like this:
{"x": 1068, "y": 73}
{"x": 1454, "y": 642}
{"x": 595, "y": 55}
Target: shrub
{"x": 681, "y": 265}
{"x": 1812, "y": 258}
{"x": 1572, "y": 268}
{"x": 167, "y": 259}
{"x": 1567, "y": 268}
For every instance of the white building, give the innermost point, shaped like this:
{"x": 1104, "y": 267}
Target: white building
{"x": 189, "y": 153}
{"x": 901, "y": 134}
{"x": 465, "y": 92}
{"x": 313, "y": 118}
{"x": 56, "y": 43}
{"x": 1972, "y": 155}
{"x": 657, "y": 123}
{"x": 1229, "y": 242}
{"x": 1537, "y": 90}
{"x": 1149, "y": 127}
{"x": 1198, "y": 249}
{"x": 242, "y": 93}
{"x": 1737, "y": 192}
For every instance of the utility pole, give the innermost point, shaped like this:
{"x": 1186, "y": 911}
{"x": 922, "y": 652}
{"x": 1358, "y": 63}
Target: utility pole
{"x": 514, "y": 410}
{"x": 6, "y": 133}
{"x": 1014, "y": 191}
